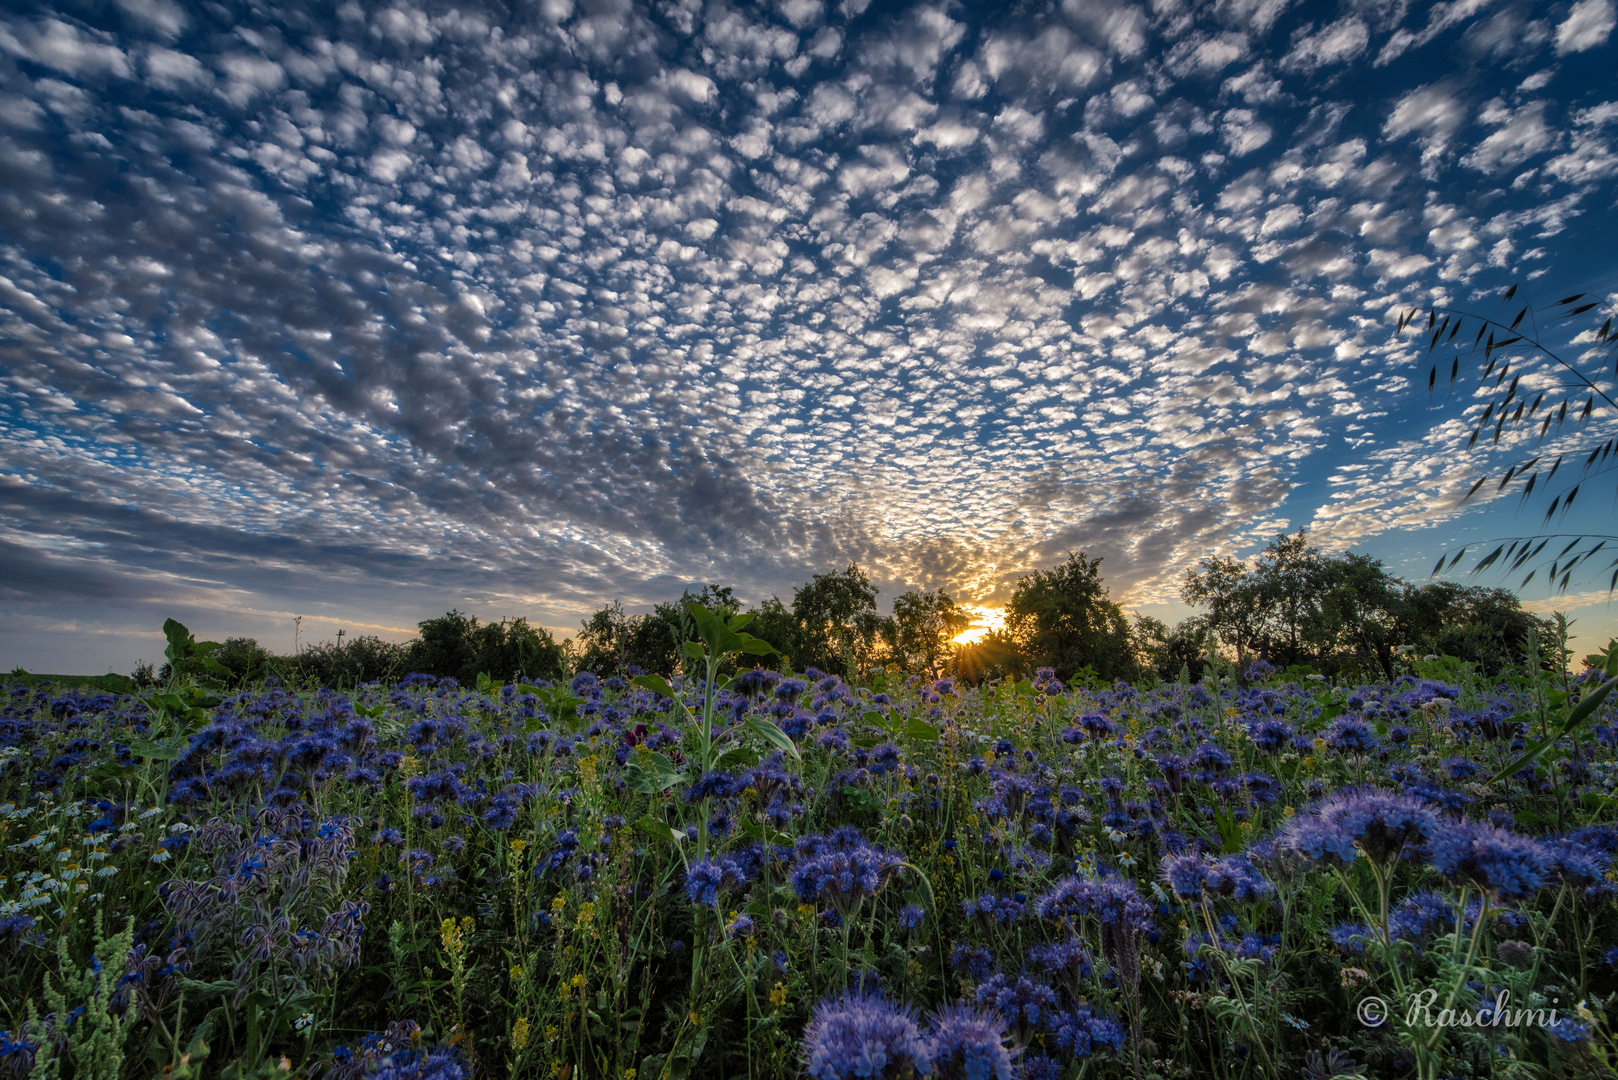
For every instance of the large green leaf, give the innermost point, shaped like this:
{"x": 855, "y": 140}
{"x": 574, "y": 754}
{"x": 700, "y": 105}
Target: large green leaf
{"x": 655, "y": 683}
{"x": 653, "y": 827}
{"x": 649, "y": 772}
{"x": 773, "y": 735}
{"x": 921, "y": 731}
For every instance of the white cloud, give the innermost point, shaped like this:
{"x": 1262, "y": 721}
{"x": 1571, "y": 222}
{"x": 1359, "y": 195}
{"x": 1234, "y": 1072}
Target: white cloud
{"x": 1335, "y": 44}
{"x": 1522, "y": 134}
{"x": 1587, "y": 26}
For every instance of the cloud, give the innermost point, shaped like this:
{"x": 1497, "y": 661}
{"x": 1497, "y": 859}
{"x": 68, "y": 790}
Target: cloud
{"x": 1338, "y": 43}
{"x": 1521, "y": 134}
{"x": 373, "y": 313}
{"x": 1588, "y": 25}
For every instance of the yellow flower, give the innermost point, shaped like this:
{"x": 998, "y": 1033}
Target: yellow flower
{"x": 519, "y": 846}
{"x": 579, "y": 982}
{"x": 558, "y": 905}
{"x": 519, "y": 1030}
{"x": 778, "y": 994}
{"x": 516, "y": 975}
{"x": 1287, "y": 811}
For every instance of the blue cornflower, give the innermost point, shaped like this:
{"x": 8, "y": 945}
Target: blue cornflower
{"x": 1185, "y": 875}
{"x": 440, "y": 1063}
{"x": 1350, "y": 937}
{"x": 1211, "y": 757}
{"x": 1096, "y": 725}
{"x": 863, "y": 1036}
{"x": 1270, "y": 735}
{"x": 841, "y": 869}
{"x": 714, "y": 785}
{"x": 970, "y": 1044}
{"x": 911, "y": 917}
{"x": 1472, "y": 853}
{"x": 1040, "y": 1067}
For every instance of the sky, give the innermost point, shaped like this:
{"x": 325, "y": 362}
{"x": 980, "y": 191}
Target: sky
{"x": 362, "y": 312}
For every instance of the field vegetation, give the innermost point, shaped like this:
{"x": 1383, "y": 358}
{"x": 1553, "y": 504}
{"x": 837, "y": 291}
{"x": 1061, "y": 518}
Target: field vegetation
{"x": 731, "y": 862}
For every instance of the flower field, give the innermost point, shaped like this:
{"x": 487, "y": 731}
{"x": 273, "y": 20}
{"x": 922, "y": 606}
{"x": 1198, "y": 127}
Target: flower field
{"x": 763, "y": 875}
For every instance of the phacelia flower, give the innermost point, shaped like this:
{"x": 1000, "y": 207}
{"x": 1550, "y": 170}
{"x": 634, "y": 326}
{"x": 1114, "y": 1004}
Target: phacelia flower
{"x": 860, "y": 1037}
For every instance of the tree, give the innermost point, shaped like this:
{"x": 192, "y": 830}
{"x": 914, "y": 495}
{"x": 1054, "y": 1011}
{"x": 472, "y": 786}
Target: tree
{"x": 1355, "y": 611}
{"x": 1288, "y": 581}
{"x": 444, "y": 647}
{"x": 772, "y": 622}
{"x": 455, "y": 645}
{"x": 1062, "y": 619}
{"x": 604, "y": 640}
{"x": 918, "y": 635}
{"x": 1229, "y": 590}
{"x": 836, "y": 621}
{"x": 1487, "y": 627}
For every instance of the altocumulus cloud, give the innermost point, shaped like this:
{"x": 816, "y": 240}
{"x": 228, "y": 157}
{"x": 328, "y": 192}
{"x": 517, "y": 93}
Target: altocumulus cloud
{"x": 363, "y": 312}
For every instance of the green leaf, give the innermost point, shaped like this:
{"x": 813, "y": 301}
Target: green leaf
{"x": 650, "y": 772}
{"x": 761, "y": 832}
{"x": 655, "y": 683}
{"x": 773, "y": 735}
{"x": 743, "y": 757}
{"x": 179, "y": 647}
{"x": 153, "y": 751}
{"x": 1581, "y": 712}
{"x": 694, "y": 651}
{"x": 653, "y": 827}
{"x": 921, "y": 731}
{"x": 737, "y": 622}
{"x": 756, "y": 646}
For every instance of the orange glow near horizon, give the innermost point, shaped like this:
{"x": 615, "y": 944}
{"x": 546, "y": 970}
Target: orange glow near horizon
{"x": 984, "y": 619}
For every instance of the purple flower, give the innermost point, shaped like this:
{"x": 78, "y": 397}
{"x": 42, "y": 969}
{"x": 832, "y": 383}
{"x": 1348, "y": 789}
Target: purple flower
{"x": 705, "y": 880}
{"x": 1379, "y": 823}
{"x": 970, "y": 1044}
{"x": 1026, "y": 1004}
{"x": 863, "y": 1036}
{"x": 1473, "y": 853}
{"x": 842, "y": 869}
{"x": 1350, "y": 735}
{"x": 1083, "y": 1032}
{"x": 1065, "y": 961}
{"x": 911, "y": 917}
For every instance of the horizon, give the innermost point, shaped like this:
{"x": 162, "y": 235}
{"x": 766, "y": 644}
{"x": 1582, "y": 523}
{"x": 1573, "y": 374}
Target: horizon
{"x": 361, "y": 316}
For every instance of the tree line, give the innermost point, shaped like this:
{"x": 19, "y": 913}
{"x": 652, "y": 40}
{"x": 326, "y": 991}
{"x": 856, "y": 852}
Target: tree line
{"x": 1340, "y": 615}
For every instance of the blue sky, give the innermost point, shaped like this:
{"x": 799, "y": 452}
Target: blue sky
{"x": 362, "y": 312}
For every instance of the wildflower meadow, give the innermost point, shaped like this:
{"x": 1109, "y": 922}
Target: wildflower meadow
{"x": 766, "y": 874}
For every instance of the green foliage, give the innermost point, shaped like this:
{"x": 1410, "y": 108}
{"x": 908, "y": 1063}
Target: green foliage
{"x": 95, "y": 1040}
{"x": 837, "y": 626}
{"x": 918, "y": 635}
{"x": 1062, "y": 619}
{"x": 458, "y": 646}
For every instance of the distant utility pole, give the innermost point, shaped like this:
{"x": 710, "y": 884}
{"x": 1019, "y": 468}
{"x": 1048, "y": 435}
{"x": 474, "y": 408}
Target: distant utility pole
{"x": 297, "y": 625}
{"x": 340, "y": 634}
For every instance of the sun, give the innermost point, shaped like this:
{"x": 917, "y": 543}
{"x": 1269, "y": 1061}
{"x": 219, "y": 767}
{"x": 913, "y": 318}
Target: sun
{"x": 984, "y": 619}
